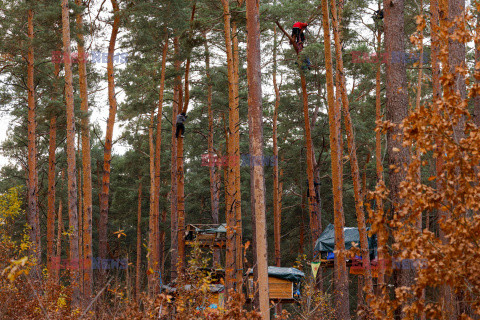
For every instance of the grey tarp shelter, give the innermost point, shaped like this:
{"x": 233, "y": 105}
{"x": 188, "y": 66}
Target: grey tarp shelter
{"x": 326, "y": 242}
{"x": 290, "y": 274}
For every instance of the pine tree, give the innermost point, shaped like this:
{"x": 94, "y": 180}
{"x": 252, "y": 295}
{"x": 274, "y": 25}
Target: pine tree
{"x": 71, "y": 169}
{"x": 256, "y": 151}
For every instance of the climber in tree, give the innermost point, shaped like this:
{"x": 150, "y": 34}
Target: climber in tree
{"x": 298, "y": 35}
{"x": 180, "y": 127}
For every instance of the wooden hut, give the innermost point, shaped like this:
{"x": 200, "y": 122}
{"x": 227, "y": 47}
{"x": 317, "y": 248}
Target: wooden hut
{"x": 283, "y": 284}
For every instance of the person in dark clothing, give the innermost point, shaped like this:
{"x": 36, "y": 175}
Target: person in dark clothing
{"x": 297, "y": 33}
{"x": 180, "y": 127}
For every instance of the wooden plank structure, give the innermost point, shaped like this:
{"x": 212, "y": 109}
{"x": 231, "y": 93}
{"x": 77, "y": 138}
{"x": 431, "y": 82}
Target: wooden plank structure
{"x": 280, "y": 290}
{"x": 206, "y": 235}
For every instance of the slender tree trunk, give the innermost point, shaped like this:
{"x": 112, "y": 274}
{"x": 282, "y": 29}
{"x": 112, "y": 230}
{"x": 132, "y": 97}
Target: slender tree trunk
{"x": 230, "y": 268}
{"x": 352, "y": 151}
{"x": 52, "y": 147}
{"x": 256, "y": 150}
{"x": 341, "y": 284}
{"x": 158, "y": 144}
{"x": 59, "y": 241}
{"x": 86, "y": 162}
{"x": 173, "y": 169}
{"x": 396, "y": 105}
{"x": 181, "y": 206}
{"x": 277, "y": 218}
{"x": 80, "y": 225}
{"x": 139, "y": 241}
{"x": 382, "y": 236}
{"x": 153, "y": 221}
{"x": 33, "y": 215}
{"x": 418, "y": 153}
{"x": 236, "y": 140}
{"x": 214, "y": 175}
{"x": 276, "y": 189}
{"x": 454, "y": 9}
{"x": 71, "y": 161}
{"x": 180, "y": 167}
{"x": 313, "y": 202}
{"x": 107, "y": 154}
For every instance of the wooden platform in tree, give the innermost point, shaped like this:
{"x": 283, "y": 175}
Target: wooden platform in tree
{"x": 206, "y": 235}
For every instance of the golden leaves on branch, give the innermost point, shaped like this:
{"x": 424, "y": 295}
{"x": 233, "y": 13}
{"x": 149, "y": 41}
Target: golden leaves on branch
{"x": 440, "y": 129}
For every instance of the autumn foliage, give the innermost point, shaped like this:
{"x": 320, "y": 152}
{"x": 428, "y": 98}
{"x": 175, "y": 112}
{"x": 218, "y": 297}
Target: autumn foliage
{"x": 447, "y": 243}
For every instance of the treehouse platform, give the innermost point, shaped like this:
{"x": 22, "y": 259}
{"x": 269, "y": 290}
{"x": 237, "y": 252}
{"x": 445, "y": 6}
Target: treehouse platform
{"x": 283, "y": 284}
{"x": 206, "y": 235}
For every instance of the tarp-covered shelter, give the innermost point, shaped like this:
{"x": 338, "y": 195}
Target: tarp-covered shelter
{"x": 283, "y": 283}
{"x": 326, "y": 242}
{"x": 207, "y": 235}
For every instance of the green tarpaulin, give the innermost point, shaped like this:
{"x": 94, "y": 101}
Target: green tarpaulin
{"x": 326, "y": 241}
{"x": 290, "y": 274}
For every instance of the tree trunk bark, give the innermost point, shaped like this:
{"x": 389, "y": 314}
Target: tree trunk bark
{"x": 352, "y": 150}
{"x": 341, "y": 280}
{"x": 139, "y": 241}
{"x": 181, "y": 206}
{"x": 107, "y": 154}
{"x": 86, "y": 163}
{"x": 256, "y": 150}
{"x": 153, "y": 221}
{"x": 158, "y": 144}
{"x": 52, "y": 147}
{"x": 382, "y": 236}
{"x": 231, "y": 197}
{"x": 214, "y": 175}
{"x": 236, "y": 138}
{"x": 173, "y": 169}
{"x": 71, "y": 161}
{"x": 58, "y": 251}
{"x": 33, "y": 215}
{"x": 396, "y": 105}
{"x": 277, "y": 219}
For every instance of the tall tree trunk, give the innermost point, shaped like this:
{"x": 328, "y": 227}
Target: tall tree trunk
{"x": 71, "y": 161}
{"x": 256, "y": 150}
{"x": 236, "y": 140}
{"x": 181, "y": 206}
{"x": 277, "y": 219}
{"x": 58, "y": 250}
{"x": 86, "y": 162}
{"x": 454, "y": 10}
{"x": 139, "y": 241}
{"x": 80, "y": 224}
{"x": 52, "y": 147}
{"x": 107, "y": 153}
{"x": 352, "y": 151}
{"x": 214, "y": 175}
{"x": 396, "y": 105}
{"x": 382, "y": 236}
{"x": 418, "y": 153}
{"x": 180, "y": 167}
{"x": 153, "y": 221}
{"x": 230, "y": 201}
{"x": 341, "y": 281}
{"x": 173, "y": 169}
{"x": 158, "y": 145}
{"x": 313, "y": 202}
{"x": 33, "y": 214}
